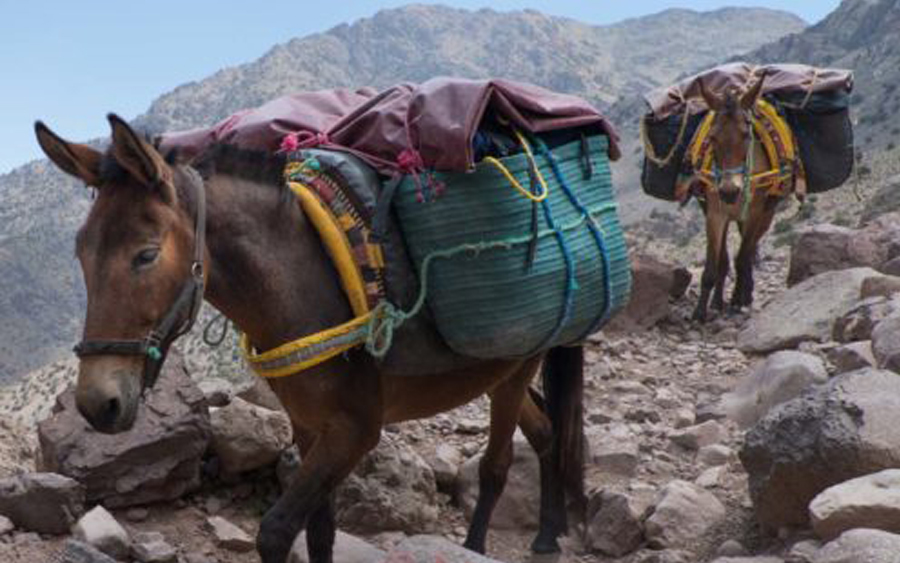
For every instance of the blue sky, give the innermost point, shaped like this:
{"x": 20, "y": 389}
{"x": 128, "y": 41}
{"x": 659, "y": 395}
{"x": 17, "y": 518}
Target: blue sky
{"x": 69, "y": 63}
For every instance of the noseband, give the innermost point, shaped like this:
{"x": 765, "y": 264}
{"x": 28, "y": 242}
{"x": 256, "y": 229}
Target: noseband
{"x": 155, "y": 345}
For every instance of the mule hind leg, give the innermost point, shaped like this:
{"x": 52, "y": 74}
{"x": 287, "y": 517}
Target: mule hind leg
{"x": 552, "y": 519}
{"x": 506, "y": 405}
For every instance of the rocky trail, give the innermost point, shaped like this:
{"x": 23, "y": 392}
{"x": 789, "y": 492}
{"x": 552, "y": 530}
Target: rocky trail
{"x": 743, "y": 440}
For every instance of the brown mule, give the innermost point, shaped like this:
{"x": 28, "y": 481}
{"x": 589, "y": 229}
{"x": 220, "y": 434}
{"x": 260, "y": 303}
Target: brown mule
{"x": 143, "y": 257}
{"x": 723, "y": 200}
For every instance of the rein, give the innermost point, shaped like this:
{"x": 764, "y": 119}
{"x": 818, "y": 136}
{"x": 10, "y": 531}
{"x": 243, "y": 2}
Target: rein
{"x": 155, "y": 345}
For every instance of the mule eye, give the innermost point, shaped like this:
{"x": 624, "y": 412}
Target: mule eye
{"x": 145, "y": 257}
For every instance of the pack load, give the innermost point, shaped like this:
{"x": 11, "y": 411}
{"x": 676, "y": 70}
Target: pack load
{"x": 814, "y": 102}
{"x": 466, "y": 218}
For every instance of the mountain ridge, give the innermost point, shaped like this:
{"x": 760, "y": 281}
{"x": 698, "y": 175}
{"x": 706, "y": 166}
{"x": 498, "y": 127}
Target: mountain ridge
{"x": 40, "y": 208}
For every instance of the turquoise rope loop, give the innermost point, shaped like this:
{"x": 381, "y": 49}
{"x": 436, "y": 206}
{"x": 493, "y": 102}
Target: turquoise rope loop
{"x": 387, "y": 318}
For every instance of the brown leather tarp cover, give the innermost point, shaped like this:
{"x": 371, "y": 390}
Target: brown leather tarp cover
{"x": 406, "y": 128}
{"x": 780, "y": 78}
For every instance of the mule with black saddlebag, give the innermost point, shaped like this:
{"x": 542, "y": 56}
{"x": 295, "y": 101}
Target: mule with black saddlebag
{"x": 278, "y": 217}
{"x": 740, "y": 139}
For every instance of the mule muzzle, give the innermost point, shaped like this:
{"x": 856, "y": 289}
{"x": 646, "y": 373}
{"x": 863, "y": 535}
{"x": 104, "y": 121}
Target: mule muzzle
{"x": 108, "y": 402}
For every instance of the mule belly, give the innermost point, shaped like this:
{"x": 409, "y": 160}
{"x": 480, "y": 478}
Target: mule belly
{"x": 412, "y": 397}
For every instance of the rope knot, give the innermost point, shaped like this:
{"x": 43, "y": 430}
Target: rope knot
{"x": 409, "y": 161}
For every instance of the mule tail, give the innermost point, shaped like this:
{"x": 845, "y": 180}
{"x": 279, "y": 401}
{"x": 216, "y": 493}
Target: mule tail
{"x": 563, "y": 382}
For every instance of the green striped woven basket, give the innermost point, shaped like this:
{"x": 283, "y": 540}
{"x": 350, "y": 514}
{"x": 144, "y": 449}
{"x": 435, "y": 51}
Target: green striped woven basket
{"x": 475, "y": 239}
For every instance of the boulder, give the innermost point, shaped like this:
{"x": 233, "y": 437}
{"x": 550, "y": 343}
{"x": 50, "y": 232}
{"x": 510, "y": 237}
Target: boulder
{"x": 654, "y": 283}
{"x": 347, "y": 549}
{"x": 99, "y": 529}
{"x": 846, "y": 428}
{"x": 699, "y": 435}
{"x": 392, "y": 488}
{"x": 6, "y": 525}
{"x": 519, "y": 504}
{"x": 758, "y": 559}
{"x": 247, "y": 437}
{"x": 779, "y": 378}
{"x": 152, "y": 547}
{"x": 159, "y": 459}
{"x": 858, "y": 323}
{"x": 861, "y": 546}
{"x": 714, "y": 455}
{"x": 613, "y": 448}
{"x": 880, "y": 286}
{"x": 445, "y": 461}
{"x": 613, "y": 526}
{"x": 75, "y": 551}
{"x": 46, "y": 503}
{"x": 229, "y": 536}
{"x": 825, "y": 248}
{"x": 804, "y": 312}
{"x": 886, "y": 343}
{"x": 870, "y": 501}
{"x": 218, "y": 392}
{"x": 852, "y": 356}
{"x": 731, "y": 548}
{"x": 682, "y": 514}
{"x": 431, "y": 549}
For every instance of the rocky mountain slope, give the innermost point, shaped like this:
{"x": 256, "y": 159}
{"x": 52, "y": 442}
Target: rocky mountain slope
{"x": 861, "y": 35}
{"x": 40, "y": 209}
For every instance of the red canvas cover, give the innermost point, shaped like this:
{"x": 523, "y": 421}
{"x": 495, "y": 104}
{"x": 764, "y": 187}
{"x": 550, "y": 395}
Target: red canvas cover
{"x": 407, "y": 128}
{"x": 670, "y": 100}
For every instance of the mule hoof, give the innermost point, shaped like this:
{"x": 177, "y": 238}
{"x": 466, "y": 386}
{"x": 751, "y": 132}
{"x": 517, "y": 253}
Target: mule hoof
{"x": 544, "y": 546}
{"x": 699, "y": 316}
{"x": 477, "y": 547}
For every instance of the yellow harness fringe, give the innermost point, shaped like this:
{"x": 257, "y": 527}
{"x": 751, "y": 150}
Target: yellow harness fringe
{"x": 308, "y": 351}
{"x": 780, "y": 150}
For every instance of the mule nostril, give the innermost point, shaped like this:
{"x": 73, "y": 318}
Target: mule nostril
{"x": 110, "y": 413}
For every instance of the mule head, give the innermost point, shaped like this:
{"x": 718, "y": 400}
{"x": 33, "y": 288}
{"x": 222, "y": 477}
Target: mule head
{"x": 730, "y": 136}
{"x": 135, "y": 252}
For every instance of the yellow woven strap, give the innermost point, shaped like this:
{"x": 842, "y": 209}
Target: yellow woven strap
{"x": 701, "y": 155}
{"x": 306, "y": 352}
{"x": 512, "y": 179}
{"x": 336, "y": 244}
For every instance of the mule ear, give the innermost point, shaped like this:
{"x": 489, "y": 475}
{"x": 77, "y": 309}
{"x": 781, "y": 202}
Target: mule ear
{"x": 140, "y": 159}
{"x": 748, "y": 99}
{"x": 80, "y": 161}
{"x": 713, "y": 102}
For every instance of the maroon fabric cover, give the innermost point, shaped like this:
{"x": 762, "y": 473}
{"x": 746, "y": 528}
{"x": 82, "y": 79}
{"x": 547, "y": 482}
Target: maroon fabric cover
{"x": 405, "y": 128}
{"x": 670, "y": 100}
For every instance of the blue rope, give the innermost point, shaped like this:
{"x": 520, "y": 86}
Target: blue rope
{"x": 595, "y": 232}
{"x": 571, "y": 280}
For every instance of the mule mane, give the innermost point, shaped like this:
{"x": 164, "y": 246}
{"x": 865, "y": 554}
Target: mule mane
{"x": 251, "y": 165}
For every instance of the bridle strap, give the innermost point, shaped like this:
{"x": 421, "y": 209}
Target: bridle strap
{"x": 155, "y": 346}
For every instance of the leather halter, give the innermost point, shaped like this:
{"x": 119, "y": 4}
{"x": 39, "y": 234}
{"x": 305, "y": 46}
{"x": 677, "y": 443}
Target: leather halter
{"x": 155, "y": 345}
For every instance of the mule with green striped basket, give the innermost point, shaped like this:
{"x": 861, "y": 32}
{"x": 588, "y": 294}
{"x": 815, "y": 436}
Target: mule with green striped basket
{"x": 511, "y": 270}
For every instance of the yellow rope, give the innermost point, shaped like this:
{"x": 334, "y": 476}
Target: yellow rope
{"x": 512, "y": 179}
{"x": 650, "y": 152}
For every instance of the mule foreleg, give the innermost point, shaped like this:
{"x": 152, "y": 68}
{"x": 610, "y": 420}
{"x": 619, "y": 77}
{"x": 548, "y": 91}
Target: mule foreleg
{"x": 718, "y": 298}
{"x": 762, "y": 214}
{"x": 320, "y": 529}
{"x": 715, "y": 227}
{"x": 506, "y": 405}
{"x": 331, "y": 459}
